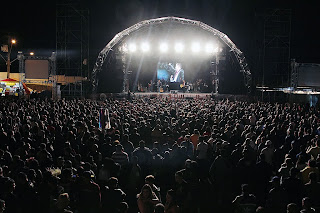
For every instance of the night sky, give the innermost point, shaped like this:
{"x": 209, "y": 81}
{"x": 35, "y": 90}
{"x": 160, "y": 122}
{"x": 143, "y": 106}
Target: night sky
{"x": 32, "y": 23}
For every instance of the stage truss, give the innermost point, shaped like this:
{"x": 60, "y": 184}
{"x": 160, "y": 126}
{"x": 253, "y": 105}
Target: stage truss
{"x": 244, "y": 68}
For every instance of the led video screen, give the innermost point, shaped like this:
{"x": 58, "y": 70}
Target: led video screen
{"x": 309, "y": 75}
{"x": 170, "y": 72}
{"x": 37, "y": 69}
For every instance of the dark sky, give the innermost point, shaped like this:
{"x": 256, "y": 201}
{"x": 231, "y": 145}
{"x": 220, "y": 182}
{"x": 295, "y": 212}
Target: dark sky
{"x": 33, "y": 22}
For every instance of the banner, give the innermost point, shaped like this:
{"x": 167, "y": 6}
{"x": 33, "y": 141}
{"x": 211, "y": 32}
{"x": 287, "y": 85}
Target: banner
{"x": 104, "y": 119}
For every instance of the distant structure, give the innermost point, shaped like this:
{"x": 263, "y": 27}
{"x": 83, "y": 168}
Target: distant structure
{"x": 72, "y": 41}
{"x": 276, "y": 48}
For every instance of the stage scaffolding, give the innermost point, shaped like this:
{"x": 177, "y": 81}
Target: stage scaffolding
{"x": 276, "y": 48}
{"x": 72, "y": 41}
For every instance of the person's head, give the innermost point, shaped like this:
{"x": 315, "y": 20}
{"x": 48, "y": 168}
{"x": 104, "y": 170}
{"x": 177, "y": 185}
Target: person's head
{"x": 275, "y": 181}
{"x": 306, "y": 203}
{"x": 149, "y": 180}
{"x": 126, "y": 137}
{"x": 260, "y": 209}
{"x": 142, "y": 144}
{"x": 159, "y": 208}
{"x": 119, "y": 148}
{"x": 113, "y": 182}
{"x": 245, "y": 189}
{"x": 288, "y": 161}
{"x": 171, "y": 196}
{"x": 268, "y": 143}
{"x": 313, "y": 177}
{"x": 292, "y": 208}
{"x": 146, "y": 191}
{"x": 63, "y": 200}
{"x": 123, "y": 207}
{"x": 178, "y": 176}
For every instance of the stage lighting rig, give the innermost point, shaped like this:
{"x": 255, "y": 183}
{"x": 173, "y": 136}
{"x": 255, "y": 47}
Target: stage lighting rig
{"x": 179, "y": 47}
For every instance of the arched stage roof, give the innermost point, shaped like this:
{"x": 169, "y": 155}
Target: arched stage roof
{"x": 118, "y": 38}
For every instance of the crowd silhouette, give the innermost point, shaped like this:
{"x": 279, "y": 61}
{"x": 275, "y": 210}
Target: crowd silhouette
{"x": 160, "y": 155}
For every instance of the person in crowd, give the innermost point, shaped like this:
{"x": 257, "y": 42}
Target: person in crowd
{"x": 307, "y": 206}
{"x": 159, "y": 208}
{"x": 311, "y": 189}
{"x": 112, "y": 196}
{"x": 171, "y": 203}
{"x": 292, "y": 208}
{"x": 277, "y": 197}
{"x": 245, "y": 201}
{"x": 147, "y": 199}
{"x": 120, "y": 156}
{"x": 307, "y": 170}
{"x": 62, "y": 204}
{"x": 150, "y": 180}
{"x": 313, "y": 151}
{"x": 293, "y": 186}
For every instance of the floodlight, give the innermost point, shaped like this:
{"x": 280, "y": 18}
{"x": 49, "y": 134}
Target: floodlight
{"x": 31, "y": 53}
{"x": 124, "y": 48}
{"x": 211, "y": 48}
{"x": 132, "y": 47}
{"x": 145, "y": 47}
{"x": 163, "y": 47}
{"x": 195, "y": 47}
{"x": 179, "y": 47}
{"x": 13, "y": 41}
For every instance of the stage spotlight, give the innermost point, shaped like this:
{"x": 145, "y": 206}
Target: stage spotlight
{"x": 211, "y": 48}
{"x": 163, "y": 47}
{"x": 132, "y": 47}
{"x": 145, "y": 47}
{"x": 195, "y": 47}
{"x": 124, "y": 48}
{"x": 179, "y": 47}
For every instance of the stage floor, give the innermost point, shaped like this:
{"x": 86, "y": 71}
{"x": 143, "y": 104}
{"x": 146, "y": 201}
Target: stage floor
{"x": 173, "y": 94}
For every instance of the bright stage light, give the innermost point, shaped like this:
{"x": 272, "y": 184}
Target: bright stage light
{"x": 163, "y": 47}
{"x": 179, "y": 47}
{"x": 132, "y": 47}
{"x": 211, "y": 48}
{"x": 145, "y": 47}
{"x": 195, "y": 47}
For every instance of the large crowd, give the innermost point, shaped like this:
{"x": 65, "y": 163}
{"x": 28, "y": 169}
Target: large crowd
{"x": 153, "y": 155}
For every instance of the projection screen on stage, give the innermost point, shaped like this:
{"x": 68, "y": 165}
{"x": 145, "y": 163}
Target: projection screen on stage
{"x": 37, "y": 69}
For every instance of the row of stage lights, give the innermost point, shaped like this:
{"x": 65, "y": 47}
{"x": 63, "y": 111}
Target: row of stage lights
{"x": 179, "y": 47}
